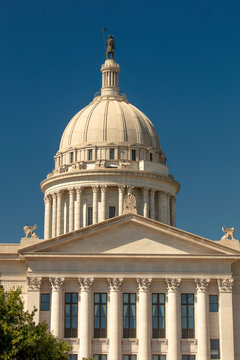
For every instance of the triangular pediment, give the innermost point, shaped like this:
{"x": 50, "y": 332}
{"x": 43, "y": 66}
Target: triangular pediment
{"x": 131, "y": 235}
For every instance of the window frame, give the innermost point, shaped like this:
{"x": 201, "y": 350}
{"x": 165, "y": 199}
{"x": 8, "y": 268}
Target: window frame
{"x": 129, "y": 332}
{"x": 159, "y": 332}
{"x": 212, "y": 304}
{"x": 73, "y": 356}
{"x": 188, "y": 357}
{"x": 100, "y": 332}
{"x": 188, "y": 332}
{"x": 134, "y": 155}
{"x": 129, "y": 357}
{"x": 111, "y": 207}
{"x": 159, "y": 357}
{"x": 45, "y": 302}
{"x": 212, "y": 349}
{"x": 112, "y": 153}
{"x": 71, "y": 157}
{"x": 90, "y": 154}
{"x": 89, "y": 216}
{"x": 70, "y": 332}
{"x": 100, "y": 356}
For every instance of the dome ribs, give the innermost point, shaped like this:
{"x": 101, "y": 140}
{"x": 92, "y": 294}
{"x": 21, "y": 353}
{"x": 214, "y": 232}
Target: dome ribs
{"x": 105, "y": 121}
{"x": 137, "y": 123}
{"x": 74, "y": 121}
{"x": 125, "y": 134}
{"x": 85, "y": 132}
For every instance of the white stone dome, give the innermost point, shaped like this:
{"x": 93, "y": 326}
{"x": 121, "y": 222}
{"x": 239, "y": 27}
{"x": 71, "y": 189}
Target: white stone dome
{"x": 110, "y": 119}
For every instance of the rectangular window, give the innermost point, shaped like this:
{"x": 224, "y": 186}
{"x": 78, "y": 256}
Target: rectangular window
{"x": 129, "y": 315}
{"x": 90, "y": 153}
{"x": 45, "y": 302}
{"x": 188, "y": 357}
{"x": 112, "y": 154}
{"x": 187, "y": 310}
{"x": 71, "y": 315}
{"x": 100, "y": 357}
{"x": 213, "y": 303}
{"x": 159, "y": 357}
{"x": 112, "y": 212}
{"x": 90, "y": 215}
{"x": 215, "y": 353}
{"x": 158, "y": 316}
{"x": 100, "y": 315}
{"x": 151, "y": 157}
{"x": 133, "y": 155}
{"x": 73, "y": 357}
{"x": 129, "y": 357}
{"x": 71, "y": 157}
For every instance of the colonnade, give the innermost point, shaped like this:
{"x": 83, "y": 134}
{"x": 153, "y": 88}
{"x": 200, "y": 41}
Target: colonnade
{"x": 157, "y": 205}
{"x": 173, "y": 327}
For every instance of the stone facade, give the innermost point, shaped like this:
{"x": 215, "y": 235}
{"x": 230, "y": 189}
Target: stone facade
{"x": 113, "y": 275}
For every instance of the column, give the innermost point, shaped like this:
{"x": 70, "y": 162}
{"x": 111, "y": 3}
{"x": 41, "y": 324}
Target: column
{"x": 168, "y": 208}
{"x": 59, "y": 212}
{"x": 54, "y": 215}
{"x": 159, "y": 205}
{"x": 95, "y": 204}
{"x": 172, "y": 319}
{"x": 144, "y": 315}
{"x": 226, "y": 319}
{"x": 173, "y": 210}
{"x": 47, "y": 217}
{"x": 152, "y": 208}
{"x": 71, "y": 209}
{"x": 56, "y": 306}
{"x": 103, "y": 202}
{"x": 78, "y": 208}
{"x": 120, "y": 199}
{"x": 33, "y": 296}
{"x": 164, "y": 207}
{"x": 202, "y": 318}
{"x": 85, "y": 314}
{"x": 145, "y": 202}
{"x": 115, "y": 340}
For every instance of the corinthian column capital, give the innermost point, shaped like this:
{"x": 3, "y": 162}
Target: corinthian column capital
{"x": 47, "y": 199}
{"x": 79, "y": 189}
{"x": 71, "y": 190}
{"x": 115, "y": 284}
{"x": 95, "y": 189}
{"x": 225, "y": 285}
{"x": 85, "y": 283}
{"x": 34, "y": 283}
{"x": 56, "y": 283}
{"x": 202, "y": 285}
{"x": 121, "y": 188}
{"x": 104, "y": 188}
{"x": 144, "y": 284}
{"x": 173, "y": 284}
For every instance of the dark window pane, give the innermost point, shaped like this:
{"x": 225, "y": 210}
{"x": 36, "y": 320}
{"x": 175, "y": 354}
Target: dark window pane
{"x": 158, "y": 315}
{"x": 187, "y": 313}
{"x": 129, "y": 315}
{"x": 100, "y": 315}
{"x": 111, "y": 153}
{"x": 71, "y": 315}
{"x": 90, "y": 215}
{"x": 90, "y": 153}
{"x": 213, "y": 303}
{"x": 45, "y": 302}
{"x": 112, "y": 212}
{"x": 215, "y": 353}
{"x": 134, "y": 155}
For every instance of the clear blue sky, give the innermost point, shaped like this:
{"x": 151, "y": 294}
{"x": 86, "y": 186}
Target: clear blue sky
{"x": 179, "y": 64}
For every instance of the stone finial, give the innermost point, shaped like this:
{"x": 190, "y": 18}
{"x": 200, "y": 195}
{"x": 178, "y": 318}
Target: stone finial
{"x": 56, "y": 283}
{"x": 202, "y": 284}
{"x": 144, "y": 284}
{"x": 225, "y": 285}
{"x": 173, "y": 284}
{"x": 115, "y": 283}
{"x": 34, "y": 283}
{"x": 129, "y": 204}
{"x": 229, "y": 233}
{"x": 85, "y": 283}
{"x": 29, "y": 231}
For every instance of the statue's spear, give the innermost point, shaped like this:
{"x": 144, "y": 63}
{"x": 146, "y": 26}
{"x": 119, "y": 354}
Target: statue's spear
{"x": 105, "y": 43}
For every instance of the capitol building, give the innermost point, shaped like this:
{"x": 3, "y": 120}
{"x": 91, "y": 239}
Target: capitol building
{"x": 114, "y": 276}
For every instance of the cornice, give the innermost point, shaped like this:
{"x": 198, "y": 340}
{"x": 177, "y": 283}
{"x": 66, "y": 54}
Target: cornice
{"x": 55, "y": 179}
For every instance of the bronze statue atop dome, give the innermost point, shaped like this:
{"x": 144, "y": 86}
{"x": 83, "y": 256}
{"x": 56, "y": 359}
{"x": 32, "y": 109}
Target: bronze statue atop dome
{"x": 110, "y": 47}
